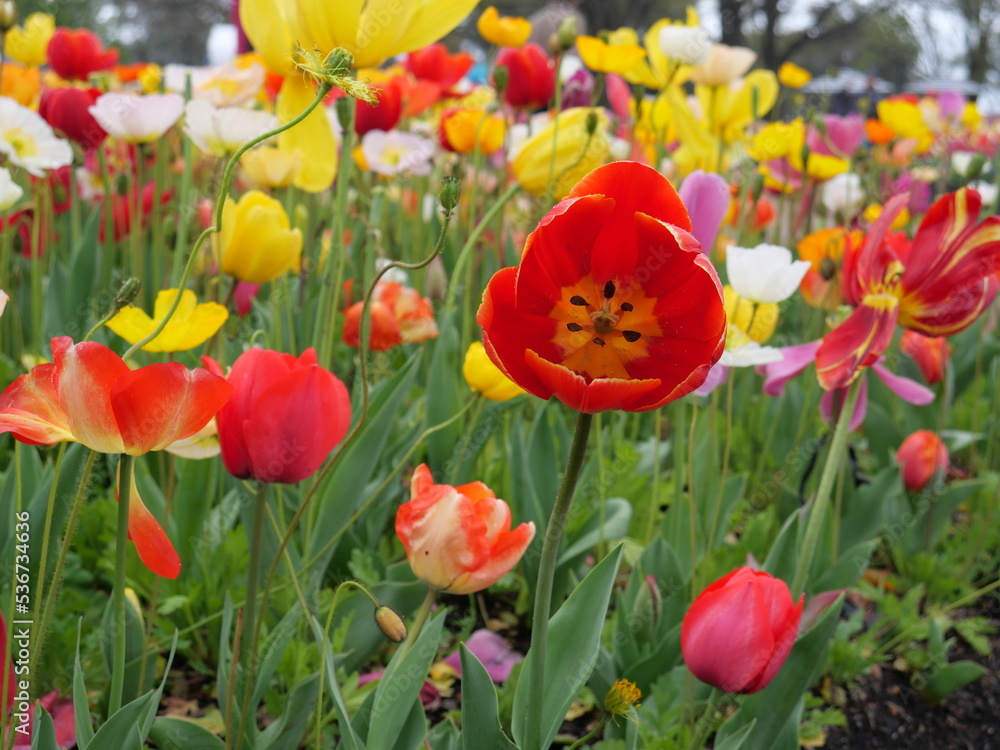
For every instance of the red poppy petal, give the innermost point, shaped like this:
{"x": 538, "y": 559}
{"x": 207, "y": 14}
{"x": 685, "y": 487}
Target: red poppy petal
{"x": 855, "y": 344}
{"x": 601, "y": 394}
{"x": 295, "y": 424}
{"x": 636, "y": 188}
{"x": 507, "y": 332}
{"x": 84, "y": 376}
{"x": 158, "y": 404}
{"x": 558, "y": 253}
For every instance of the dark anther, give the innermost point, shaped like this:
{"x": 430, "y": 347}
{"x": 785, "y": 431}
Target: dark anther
{"x": 578, "y": 300}
{"x": 609, "y": 290}
{"x": 574, "y": 327}
{"x": 627, "y": 307}
{"x": 599, "y": 341}
{"x": 631, "y": 336}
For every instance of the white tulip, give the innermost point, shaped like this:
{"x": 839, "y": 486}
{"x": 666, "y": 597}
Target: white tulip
{"x": 766, "y": 273}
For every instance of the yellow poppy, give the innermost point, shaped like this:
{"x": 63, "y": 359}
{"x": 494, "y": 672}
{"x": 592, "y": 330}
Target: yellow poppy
{"x": 604, "y": 57}
{"x": 29, "y": 44}
{"x": 503, "y": 31}
{"x": 792, "y": 76}
{"x": 313, "y": 137}
{"x": 465, "y": 128}
{"x": 191, "y": 325}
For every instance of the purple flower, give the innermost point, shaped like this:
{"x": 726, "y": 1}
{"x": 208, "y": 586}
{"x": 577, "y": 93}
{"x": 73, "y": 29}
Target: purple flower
{"x": 492, "y": 650}
{"x": 578, "y": 89}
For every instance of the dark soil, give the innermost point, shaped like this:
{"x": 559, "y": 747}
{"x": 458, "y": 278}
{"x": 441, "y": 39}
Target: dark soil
{"x": 884, "y": 712}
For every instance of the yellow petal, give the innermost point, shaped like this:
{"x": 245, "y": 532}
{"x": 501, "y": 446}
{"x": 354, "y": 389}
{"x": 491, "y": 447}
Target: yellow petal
{"x": 265, "y": 25}
{"x": 576, "y": 152}
{"x": 503, "y": 31}
{"x": 313, "y": 137}
{"x": 132, "y": 324}
{"x": 792, "y": 76}
{"x": 602, "y": 57}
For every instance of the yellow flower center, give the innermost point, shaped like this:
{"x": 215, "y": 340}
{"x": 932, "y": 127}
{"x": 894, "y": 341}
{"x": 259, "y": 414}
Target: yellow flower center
{"x": 22, "y": 142}
{"x": 601, "y": 327}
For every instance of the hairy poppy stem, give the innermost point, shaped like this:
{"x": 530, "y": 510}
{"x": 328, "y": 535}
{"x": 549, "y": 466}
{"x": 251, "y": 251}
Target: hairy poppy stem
{"x": 121, "y": 547}
{"x": 817, "y": 513}
{"x": 546, "y": 574}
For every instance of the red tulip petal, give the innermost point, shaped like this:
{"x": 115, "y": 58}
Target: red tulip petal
{"x": 667, "y": 258}
{"x": 295, "y": 424}
{"x": 84, "y": 376}
{"x": 150, "y": 540}
{"x": 476, "y": 491}
{"x": 726, "y": 636}
{"x": 507, "y": 332}
{"x": 30, "y": 409}
{"x": 635, "y": 188}
{"x": 558, "y": 253}
{"x": 855, "y": 344}
{"x": 785, "y": 629}
{"x": 869, "y": 267}
{"x": 601, "y": 394}
{"x": 158, "y": 404}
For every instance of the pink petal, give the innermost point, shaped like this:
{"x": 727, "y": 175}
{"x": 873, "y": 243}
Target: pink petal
{"x": 909, "y": 390}
{"x": 837, "y": 396}
{"x": 492, "y": 650}
{"x": 796, "y": 359}
{"x": 716, "y": 377}
{"x": 707, "y": 199}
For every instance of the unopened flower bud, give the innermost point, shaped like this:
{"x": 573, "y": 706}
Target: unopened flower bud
{"x": 451, "y": 189}
{"x": 390, "y": 623}
{"x": 8, "y": 15}
{"x": 128, "y": 292}
{"x": 500, "y": 79}
{"x": 975, "y": 167}
{"x": 569, "y": 30}
{"x": 592, "y": 122}
{"x": 343, "y": 106}
{"x": 757, "y": 189}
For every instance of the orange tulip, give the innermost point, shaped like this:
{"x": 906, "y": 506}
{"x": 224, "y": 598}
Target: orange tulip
{"x": 458, "y": 539}
{"x": 922, "y": 455}
{"x": 929, "y": 352}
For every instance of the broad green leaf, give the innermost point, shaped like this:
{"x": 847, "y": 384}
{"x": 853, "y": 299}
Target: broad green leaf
{"x": 44, "y": 730}
{"x": 480, "y": 721}
{"x": 81, "y": 704}
{"x": 287, "y": 731}
{"x": 574, "y": 636}
{"x": 444, "y": 392}
{"x": 122, "y": 729}
{"x": 951, "y": 677}
{"x": 349, "y": 737}
{"x": 170, "y": 733}
{"x": 617, "y": 517}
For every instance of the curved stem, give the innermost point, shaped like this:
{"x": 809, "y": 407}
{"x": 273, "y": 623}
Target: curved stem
{"x": 591, "y": 734}
{"x": 418, "y": 624}
{"x": 546, "y": 574}
{"x": 817, "y": 513}
{"x": 704, "y": 725}
{"x": 121, "y": 547}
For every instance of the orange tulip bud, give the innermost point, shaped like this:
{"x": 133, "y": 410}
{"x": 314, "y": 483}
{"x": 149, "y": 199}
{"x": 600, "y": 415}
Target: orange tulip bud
{"x": 922, "y": 455}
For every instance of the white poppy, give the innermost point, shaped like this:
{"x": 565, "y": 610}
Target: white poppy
{"x": 843, "y": 193}
{"x": 10, "y": 191}
{"x": 987, "y": 191}
{"x": 137, "y": 119}
{"x": 220, "y": 132}
{"x": 395, "y": 152}
{"x": 687, "y": 44}
{"x": 750, "y": 355}
{"x": 766, "y": 273}
{"x": 29, "y": 142}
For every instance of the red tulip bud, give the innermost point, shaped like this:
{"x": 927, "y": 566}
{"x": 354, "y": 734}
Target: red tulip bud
{"x": 920, "y": 457}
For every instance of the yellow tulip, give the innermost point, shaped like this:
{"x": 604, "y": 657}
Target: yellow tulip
{"x": 467, "y": 128}
{"x": 485, "y": 377}
{"x": 792, "y": 76}
{"x": 577, "y": 151}
{"x": 756, "y": 320}
{"x": 371, "y": 30}
{"x": 271, "y": 167}
{"x": 256, "y": 243}
{"x": 313, "y": 137}
{"x": 971, "y": 116}
{"x": 191, "y": 324}
{"x": 873, "y": 211}
{"x": 503, "y": 31}
{"x": 602, "y": 57}
{"x": 777, "y": 139}
{"x": 29, "y": 44}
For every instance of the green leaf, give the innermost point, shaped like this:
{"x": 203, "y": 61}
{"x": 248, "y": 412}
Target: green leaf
{"x": 735, "y": 741}
{"x": 773, "y": 706}
{"x": 951, "y": 677}
{"x": 121, "y": 730}
{"x": 170, "y": 733}
{"x": 135, "y": 650}
{"x": 480, "y": 720}
{"x": 287, "y": 732}
{"x": 277, "y": 641}
{"x": 81, "y": 704}
{"x": 444, "y": 386}
{"x": 45, "y": 731}
{"x": 400, "y": 685}
{"x": 574, "y": 637}
{"x": 618, "y": 516}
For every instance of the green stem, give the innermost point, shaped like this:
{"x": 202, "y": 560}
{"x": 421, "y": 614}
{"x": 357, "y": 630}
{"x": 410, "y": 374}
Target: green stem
{"x": 423, "y": 613}
{"x": 654, "y": 501}
{"x": 466, "y": 250}
{"x": 704, "y": 725}
{"x": 817, "y": 514}
{"x": 248, "y": 648}
{"x": 546, "y": 574}
{"x": 591, "y": 734}
{"x": 121, "y": 548}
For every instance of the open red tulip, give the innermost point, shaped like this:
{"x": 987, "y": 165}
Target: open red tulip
{"x": 614, "y": 306}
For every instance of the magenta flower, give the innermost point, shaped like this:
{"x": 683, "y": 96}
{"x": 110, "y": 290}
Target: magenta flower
{"x": 844, "y": 133}
{"x": 492, "y": 650}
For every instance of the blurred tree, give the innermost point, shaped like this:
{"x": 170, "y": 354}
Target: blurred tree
{"x": 72, "y": 13}
{"x": 982, "y": 26}
{"x": 165, "y": 30}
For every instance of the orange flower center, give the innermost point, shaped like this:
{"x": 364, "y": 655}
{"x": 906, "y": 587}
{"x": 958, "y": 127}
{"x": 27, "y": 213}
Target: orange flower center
{"x": 603, "y": 327}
